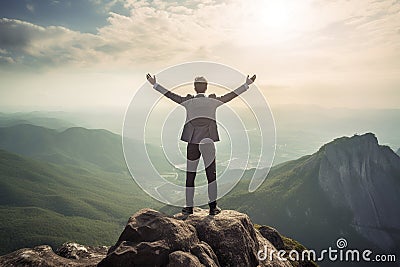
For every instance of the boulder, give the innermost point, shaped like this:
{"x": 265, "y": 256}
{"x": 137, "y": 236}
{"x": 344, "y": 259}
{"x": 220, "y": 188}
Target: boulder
{"x": 206, "y": 255}
{"x": 272, "y": 235}
{"x": 180, "y": 258}
{"x": 151, "y": 238}
{"x": 232, "y": 237}
{"x": 45, "y": 257}
{"x": 72, "y": 250}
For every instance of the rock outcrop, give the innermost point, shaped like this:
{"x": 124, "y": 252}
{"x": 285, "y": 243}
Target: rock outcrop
{"x": 152, "y": 238}
{"x": 272, "y": 235}
{"x": 359, "y": 175}
{"x": 69, "y": 254}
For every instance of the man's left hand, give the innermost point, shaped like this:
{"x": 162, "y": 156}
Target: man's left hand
{"x": 250, "y": 80}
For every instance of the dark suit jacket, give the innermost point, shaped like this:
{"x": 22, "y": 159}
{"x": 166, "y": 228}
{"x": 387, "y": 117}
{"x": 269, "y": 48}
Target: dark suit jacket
{"x": 200, "y": 125}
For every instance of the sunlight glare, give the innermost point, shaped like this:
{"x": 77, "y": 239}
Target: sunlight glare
{"x": 281, "y": 19}
{"x": 275, "y": 15}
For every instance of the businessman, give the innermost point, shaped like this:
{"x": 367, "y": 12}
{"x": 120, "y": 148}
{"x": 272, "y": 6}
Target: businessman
{"x": 200, "y": 132}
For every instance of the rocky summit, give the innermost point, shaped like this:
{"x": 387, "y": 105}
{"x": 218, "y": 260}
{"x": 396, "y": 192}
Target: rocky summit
{"x": 152, "y": 238}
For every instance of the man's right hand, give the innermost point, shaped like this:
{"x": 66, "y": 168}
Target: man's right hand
{"x": 151, "y": 80}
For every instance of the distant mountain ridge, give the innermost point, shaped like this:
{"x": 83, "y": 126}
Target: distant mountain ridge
{"x": 35, "y": 118}
{"x": 73, "y": 146}
{"x": 346, "y": 189}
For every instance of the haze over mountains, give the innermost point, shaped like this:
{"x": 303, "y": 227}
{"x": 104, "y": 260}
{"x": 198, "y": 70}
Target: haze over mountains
{"x": 77, "y": 178}
{"x": 35, "y": 118}
{"x": 300, "y": 129}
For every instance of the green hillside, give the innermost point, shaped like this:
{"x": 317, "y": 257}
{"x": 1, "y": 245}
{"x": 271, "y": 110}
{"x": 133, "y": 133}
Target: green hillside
{"x": 85, "y": 198}
{"x": 75, "y": 146}
{"x": 31, "y": 226}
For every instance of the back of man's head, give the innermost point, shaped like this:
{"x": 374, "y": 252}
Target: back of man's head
{"x": 200, "y": 85}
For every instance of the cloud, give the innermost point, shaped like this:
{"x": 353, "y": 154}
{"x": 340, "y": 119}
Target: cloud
{"x": 30, "y": 7}
{"x": 32, "y": 44}
{"x": 160, "y": 31}
{"x": 6, "y": 60}
{"x": 316, "y": 50}
{"x": 107, "y": 5}
{"x": 14, "y": 34}
{"x": 165, "y": 32}
{"x": 122, "y": 39}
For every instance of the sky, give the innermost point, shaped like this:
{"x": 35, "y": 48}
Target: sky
{"x": 95, "y": 53}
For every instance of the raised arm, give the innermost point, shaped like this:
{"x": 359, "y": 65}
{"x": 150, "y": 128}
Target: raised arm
{"x": 231, "y": 95}
{"x": 174, "y": 97}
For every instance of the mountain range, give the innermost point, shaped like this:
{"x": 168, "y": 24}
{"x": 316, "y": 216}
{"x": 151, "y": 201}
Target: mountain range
{"x": 77, "y": 177}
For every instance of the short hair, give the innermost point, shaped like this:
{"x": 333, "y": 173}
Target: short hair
{"x": 200, "y": 87}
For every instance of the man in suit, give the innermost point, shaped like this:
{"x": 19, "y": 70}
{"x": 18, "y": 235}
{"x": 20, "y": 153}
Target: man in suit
{"x": 200, "y": 132}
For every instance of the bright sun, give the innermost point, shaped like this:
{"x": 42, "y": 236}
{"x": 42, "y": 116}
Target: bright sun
{"x": 275, "y": 15}
{"x": 280, "y": 19}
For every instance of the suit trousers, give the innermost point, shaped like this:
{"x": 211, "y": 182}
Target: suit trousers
{"x": 193, "y": 153}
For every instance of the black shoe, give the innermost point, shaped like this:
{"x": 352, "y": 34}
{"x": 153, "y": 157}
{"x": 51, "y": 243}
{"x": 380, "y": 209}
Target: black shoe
{"x": 214, "y": 210}
{"x": 187, "y": 210}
